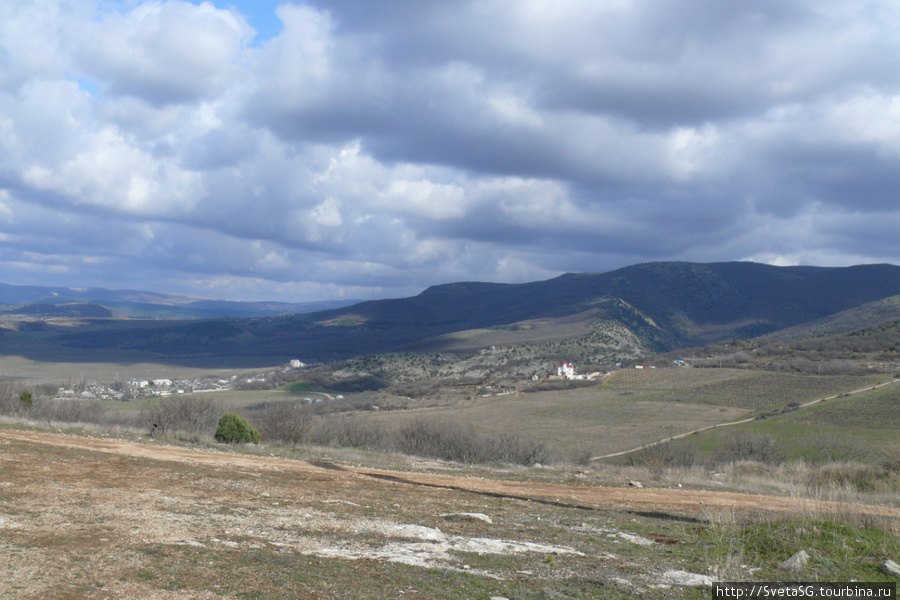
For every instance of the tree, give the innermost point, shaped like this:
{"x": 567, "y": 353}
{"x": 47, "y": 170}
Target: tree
{"x": 235, "y": 429}
{"x": 26, "y": 399}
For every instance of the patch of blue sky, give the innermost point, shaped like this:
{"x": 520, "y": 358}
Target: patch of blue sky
{"x": 260, "y": 14}
{"x": 91, "y": 87}
{"x": 86, "y": 85}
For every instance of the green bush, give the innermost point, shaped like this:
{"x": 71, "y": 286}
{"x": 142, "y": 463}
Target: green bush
{"x": 234, "y": 429}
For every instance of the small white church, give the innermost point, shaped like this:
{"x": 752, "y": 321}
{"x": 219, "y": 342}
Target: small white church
{"x": 565, "y": 370}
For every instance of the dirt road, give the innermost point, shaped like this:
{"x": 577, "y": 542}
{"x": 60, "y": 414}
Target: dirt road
{"x": 747, "y": 420}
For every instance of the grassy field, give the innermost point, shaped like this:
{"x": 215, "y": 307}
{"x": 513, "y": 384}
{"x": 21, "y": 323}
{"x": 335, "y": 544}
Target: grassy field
{"x": 738, "y": 388}
{"x": 233, "y": 400}
{"x": 573, "y": 422}
{"x": 858, "y": 428}
{"x": 878, "y": 410}
{"x": 632, "y": 409}
{"x": 31, "y": 371}
{"x": 637, "y": 407}
{"x": 673, "y": 378}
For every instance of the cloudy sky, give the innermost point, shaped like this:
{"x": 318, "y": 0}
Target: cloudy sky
{"x": 348, "y": 148}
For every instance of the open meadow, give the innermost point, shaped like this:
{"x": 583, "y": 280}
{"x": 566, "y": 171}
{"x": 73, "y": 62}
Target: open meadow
{"x": 30, "y": 372}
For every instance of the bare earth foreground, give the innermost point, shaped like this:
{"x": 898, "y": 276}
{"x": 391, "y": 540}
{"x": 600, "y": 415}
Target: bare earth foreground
{"x": 84, "y": 517}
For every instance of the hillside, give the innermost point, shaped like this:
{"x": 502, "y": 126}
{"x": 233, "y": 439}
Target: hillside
{"x": 859, "y": 317}
{"x": 77, "y": 310}
{"x": 39, "y": 300}
{"x": 107, "y": 518}
{"x": 662, "y": 306}
{"x": 695, "y": 302}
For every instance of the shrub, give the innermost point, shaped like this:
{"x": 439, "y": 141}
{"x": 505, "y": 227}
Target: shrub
{"x": 889, "y": 458}
{"x": 69, "y": 411}
{"x": 436, "y": 439}
{"x": 351, "y": 432}
{"x": 759, "y": 447}
{"x": 188, "y": 415}
{"x": 285, "y": 422}
{"x": 38, "y": 407}
{"x": 235, "y": 429}
{"x": 863, "y": 478}
{"x": 10, "y": 399}
{"x": 462, "y": 443}
{"x": 660, "y": 457}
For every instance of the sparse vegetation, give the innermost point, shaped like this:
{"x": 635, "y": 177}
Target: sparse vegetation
{"x": 838, "y": 550}
{"x": 187, "y": 415}
{"x": 461, "y": 443}
{"x": 286, "y": 422}
{"x": 341, "y": 526}
{"x": 37, "y": 407}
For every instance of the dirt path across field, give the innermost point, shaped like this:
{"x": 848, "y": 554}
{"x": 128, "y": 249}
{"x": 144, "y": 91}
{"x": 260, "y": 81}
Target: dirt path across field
{"x": 747, "y": 420}
{"x": 645, "y": 500}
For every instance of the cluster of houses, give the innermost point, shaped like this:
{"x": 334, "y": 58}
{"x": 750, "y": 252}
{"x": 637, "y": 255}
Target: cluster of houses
{"x": 96, "y": 391}
{"x": 167, "y": 387}
{"x": 566, "y": 370}
{"x": 144, "y": 388}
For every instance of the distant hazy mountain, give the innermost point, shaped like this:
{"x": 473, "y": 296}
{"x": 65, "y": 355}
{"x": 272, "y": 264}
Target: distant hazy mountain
{"x": 20, "y": 299}
{"x": 664, "y": 305}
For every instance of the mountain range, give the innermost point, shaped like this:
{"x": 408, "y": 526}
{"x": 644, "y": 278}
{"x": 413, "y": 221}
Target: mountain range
{"x": 665, "y": 306}
{"x": 67, "y": 301}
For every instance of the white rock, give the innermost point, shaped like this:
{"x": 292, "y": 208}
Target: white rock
{"x": 796, "y": 562}
{"x": 635, "y": 484}
{"x": 635, "y": 538}
{"x": 686, "y": 578}
{"x": 418, "y": 532}
{"x": 891, "y": 568}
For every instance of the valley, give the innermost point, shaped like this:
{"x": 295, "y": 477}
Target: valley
{"x": 434, "y": 445}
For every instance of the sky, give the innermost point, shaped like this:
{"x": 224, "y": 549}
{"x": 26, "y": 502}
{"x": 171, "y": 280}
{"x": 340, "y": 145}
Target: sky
{"x": 301, "y": 151}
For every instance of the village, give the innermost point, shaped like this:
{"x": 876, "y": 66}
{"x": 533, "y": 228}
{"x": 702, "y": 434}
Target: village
{"x": 138, "y": 389}
{"x": 134, "y": 389}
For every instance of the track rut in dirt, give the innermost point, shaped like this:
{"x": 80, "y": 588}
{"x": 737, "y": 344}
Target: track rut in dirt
{"x": 588, "y": 497}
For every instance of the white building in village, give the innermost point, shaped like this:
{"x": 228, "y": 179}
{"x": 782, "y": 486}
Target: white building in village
{"x": 565, "y": 370}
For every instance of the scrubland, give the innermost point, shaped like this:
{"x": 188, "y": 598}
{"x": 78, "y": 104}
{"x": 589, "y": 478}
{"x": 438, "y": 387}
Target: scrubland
{"x": 451, "y": 491}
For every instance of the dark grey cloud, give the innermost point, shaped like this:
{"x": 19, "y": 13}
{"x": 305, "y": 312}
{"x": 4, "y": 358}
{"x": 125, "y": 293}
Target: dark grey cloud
{"x": 372, "y": 149}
